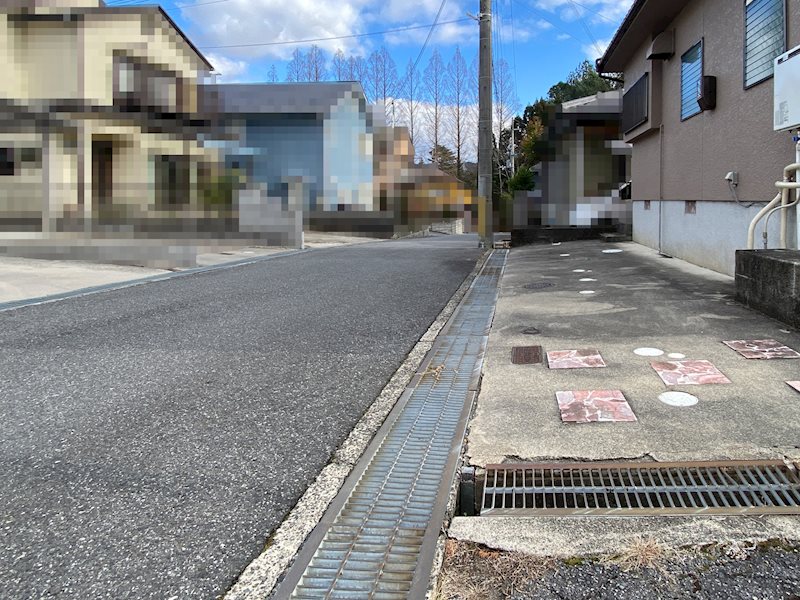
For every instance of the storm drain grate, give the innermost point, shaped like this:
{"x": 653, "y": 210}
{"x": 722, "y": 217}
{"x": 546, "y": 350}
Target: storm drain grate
{"x": 538, "y": 285}
{"x": 526, "y": 355}
{"x": 636, "y": 489}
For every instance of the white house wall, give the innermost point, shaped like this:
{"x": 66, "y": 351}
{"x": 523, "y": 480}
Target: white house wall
{"x": 708, "y": 238}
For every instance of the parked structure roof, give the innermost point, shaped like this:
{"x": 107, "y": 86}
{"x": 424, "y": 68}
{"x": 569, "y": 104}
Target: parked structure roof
{"x": 284, "y": 98}
{"x": 644, "y": 19}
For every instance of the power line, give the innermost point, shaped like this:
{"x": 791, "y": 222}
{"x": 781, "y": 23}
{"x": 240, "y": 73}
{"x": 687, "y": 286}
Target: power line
{"x": 586, "y": 27}
{"x": 539, "y": 14}
{"x": 427, "y": 39}
{"x": 150, "y": 2}
{"x": 598, "y": 13}
{"x": 184, "y": 6}
{"x": 402, "y": 84}
{"x": 338, "y": 37}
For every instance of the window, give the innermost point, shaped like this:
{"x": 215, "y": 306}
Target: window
{"x": 30, "y": 158}
{"x": 764, "y": 38}
{"x": 172, "y": 179}
{"x": 634, "y": 105}
{"x": 7, "y": 162}
{"x": 691, "y": 76}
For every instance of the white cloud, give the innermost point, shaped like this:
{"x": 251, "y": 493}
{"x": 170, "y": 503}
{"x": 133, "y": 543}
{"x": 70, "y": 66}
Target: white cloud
{"x": 594, "y": 51}
{"x": 595, "y": 11}
{"x": 230, "y": 71}
{"x": 248, "y": 23}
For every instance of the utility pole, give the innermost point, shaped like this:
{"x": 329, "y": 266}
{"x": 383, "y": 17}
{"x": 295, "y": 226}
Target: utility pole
{"x": 485, "y": 147}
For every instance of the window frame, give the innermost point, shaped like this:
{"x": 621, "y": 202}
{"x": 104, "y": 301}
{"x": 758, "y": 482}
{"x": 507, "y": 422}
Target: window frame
{"x": 646, "y": 77}
{"x": 702, "y": 45}
{"x": 8, "y": 164}
{"x": 744, "y": 45}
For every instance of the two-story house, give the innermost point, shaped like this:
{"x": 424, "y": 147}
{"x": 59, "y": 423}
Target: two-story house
{"x": 99, "y": 121}
{"x": 698, "y": 109}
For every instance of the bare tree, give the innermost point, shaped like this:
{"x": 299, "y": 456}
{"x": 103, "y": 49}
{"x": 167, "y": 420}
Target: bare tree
{"x": 272, "y": 74}
{"x": 315, "y": 64}
{"x": 505, "y": 105}
{"x": 357, "y": 71}
{"x": 372, "y": 79}
{"x": 412, "y": 93}
{"x": 340, "y": 66}
{"x": 296, "y": 68}
{"x": 434, "y": 85}
{"x": 388, "y": 80}
{"x": 459, "y": 95}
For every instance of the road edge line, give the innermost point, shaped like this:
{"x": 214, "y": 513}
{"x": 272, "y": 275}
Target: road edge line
{"x": 260, "y": 577}
{"x": 121, "y": 285}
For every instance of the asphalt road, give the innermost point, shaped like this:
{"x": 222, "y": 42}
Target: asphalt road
{"x": 152, "y": 437}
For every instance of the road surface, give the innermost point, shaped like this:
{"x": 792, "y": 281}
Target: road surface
{"x": 153, "y": 436}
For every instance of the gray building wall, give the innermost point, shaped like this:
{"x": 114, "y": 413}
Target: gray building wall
{"x": 676, "y": 160}
{"x": 318, "y": 135}
{"x": 287, "y": 148}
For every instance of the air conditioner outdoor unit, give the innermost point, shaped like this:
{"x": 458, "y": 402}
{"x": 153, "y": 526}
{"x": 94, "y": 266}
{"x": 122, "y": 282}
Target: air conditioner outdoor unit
{"x": 663, "y": 46}
{"x": 787, "y": 84}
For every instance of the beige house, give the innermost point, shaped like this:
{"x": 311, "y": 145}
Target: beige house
{"x": 98, "y": 118}
{"x": 668, "y": 54}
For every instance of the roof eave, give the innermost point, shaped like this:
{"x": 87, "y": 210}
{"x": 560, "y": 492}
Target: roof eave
{"x": 609, "y": 55}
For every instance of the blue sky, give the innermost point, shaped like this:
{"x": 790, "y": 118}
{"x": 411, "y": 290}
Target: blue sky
{"x": 544, "y": 38}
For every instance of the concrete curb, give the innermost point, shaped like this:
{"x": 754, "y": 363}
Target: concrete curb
{"x": 260, "y": 577}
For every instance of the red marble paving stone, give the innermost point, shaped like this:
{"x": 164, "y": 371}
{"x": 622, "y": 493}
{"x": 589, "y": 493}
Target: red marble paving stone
{"x": 794, "y": 384}
{"x": 594, "y": 406}
{"x": 575, "y": 359}
{"x": 762, "y": 349}
{"x": 688, "y": 372}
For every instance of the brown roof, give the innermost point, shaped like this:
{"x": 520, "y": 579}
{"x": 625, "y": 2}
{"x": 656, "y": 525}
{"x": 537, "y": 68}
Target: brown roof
{"x": 645, "y": 19}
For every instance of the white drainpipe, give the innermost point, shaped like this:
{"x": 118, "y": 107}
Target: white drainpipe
{"x": 791, "y": 181}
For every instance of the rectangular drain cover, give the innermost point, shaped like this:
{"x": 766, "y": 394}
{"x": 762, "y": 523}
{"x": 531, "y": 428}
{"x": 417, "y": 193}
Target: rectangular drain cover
{"x": 526, "y": 355}
{"x": 642, "y": 489}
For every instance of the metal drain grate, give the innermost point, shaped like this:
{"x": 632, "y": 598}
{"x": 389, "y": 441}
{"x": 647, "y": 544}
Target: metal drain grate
{"x": 538, "y": 285}
{"x": 378, "y": 537}
{"x": 636, "y": 489}
{"x": 526, "y": 355}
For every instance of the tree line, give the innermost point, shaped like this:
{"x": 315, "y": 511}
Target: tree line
{"x": 530, "y": 127}
{"x": 437, "y": 103}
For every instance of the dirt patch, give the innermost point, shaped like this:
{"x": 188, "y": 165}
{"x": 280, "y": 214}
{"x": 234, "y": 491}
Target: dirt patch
{"x": 734, "y": 571}
{"x": 473, "y": 572}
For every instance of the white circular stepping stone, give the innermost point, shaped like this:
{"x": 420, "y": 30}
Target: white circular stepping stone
{"x": 676, "y": 355}
{"x": 587, "y": 279}
{"x": 586, "y": 292}
{"x": 678, "y": 399}
{"x": 612, "y": 251}
{"x": 648, "y": 352}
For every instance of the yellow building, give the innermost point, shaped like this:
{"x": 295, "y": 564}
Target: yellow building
{"x": 99, "y": 120}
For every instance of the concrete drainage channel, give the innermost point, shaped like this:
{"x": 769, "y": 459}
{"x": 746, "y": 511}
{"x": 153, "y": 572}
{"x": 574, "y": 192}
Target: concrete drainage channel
{"x": 378, "y": 538}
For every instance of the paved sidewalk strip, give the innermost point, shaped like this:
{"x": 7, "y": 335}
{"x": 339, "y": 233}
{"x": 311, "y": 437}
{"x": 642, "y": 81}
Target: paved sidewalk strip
{"x": 378, "y": 540}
